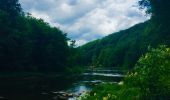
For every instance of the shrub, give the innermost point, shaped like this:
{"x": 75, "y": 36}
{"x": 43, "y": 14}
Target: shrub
{"x": 152, "y": 74}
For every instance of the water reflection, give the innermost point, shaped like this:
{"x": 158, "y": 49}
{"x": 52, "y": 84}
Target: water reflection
{"x": 44, "y": 87}
{"x": 103, "y": 74}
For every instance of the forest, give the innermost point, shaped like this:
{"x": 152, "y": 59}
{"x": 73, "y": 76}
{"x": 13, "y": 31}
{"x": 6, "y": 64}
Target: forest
{"x": 29, "y": 44}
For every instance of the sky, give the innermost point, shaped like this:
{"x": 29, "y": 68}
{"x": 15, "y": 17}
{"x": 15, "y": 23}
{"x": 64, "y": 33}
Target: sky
{"x": 87, "y": 20}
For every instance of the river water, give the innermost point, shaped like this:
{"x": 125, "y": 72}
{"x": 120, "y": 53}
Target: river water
{"x": 45, "y": 87}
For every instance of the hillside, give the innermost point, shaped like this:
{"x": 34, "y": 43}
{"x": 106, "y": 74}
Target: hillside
{"x": 27, "y": 43}
{"x": 123, "y": 49}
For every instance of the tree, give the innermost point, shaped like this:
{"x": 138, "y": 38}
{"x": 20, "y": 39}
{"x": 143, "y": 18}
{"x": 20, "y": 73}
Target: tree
{"x": 11, "y": 6}
{"x": 72, "y": 43}
{"x": 158, "y": 8}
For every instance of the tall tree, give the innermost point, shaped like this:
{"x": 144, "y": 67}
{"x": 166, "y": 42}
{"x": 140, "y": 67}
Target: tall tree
{"x": 158, "y": 8}
{"x": 11, "y": 6}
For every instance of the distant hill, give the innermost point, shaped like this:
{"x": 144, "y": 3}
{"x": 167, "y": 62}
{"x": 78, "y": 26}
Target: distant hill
{"x": 123, "y": 49}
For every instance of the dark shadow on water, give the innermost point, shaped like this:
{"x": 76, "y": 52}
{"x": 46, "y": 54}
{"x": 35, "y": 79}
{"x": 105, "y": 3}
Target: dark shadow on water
{"x": 35, "y": 88}
{"x": 44, "y": 87}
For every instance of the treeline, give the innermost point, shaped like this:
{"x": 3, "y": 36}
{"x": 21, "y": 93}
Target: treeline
{"x": 123, "y": 49}
{"x": 27, "y": 43}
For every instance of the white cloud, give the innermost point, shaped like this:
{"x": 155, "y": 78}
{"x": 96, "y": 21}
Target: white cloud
{"x": 80, "y": 42}
{"x": 86, "y": 20}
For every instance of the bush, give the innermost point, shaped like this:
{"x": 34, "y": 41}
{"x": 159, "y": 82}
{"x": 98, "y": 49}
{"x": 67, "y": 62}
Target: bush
{"x": 151, "y": 74}
{"x": 103, "y": 92}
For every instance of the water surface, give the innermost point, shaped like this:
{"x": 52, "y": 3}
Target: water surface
{"x": 45, "y": 87}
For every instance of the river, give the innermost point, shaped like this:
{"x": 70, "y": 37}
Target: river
{"x": 46, "y": 87}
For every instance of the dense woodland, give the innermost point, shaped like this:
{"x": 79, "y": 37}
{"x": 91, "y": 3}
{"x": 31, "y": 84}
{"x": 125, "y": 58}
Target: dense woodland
{"x": 27, "y": 43}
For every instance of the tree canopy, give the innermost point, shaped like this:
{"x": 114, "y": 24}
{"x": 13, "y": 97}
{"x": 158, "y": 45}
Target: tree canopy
{"x": 27, "y": 43}
{"x": 158, "y": 8}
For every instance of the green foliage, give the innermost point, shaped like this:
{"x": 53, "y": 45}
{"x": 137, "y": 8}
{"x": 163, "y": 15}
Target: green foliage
{"x": 11, "y": 6}
{"x": 103, "y": 91}
{"x": 152, "y": 73}
{"x": 116, "y": 50}
{"x": 75, "y": 57}
{"x": 158, "y": 8}
{"x": 27, "y": 43}
{"x": 112, "y": 92}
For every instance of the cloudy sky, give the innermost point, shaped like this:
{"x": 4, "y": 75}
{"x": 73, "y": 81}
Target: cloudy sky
{"x": 86, "y": 20}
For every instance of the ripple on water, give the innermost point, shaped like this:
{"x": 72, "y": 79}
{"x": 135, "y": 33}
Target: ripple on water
{"x": 102, "y": 74}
